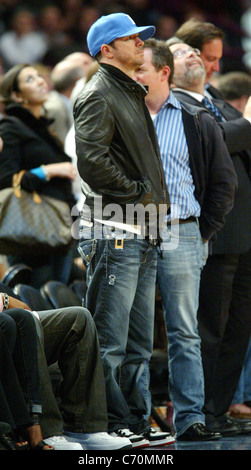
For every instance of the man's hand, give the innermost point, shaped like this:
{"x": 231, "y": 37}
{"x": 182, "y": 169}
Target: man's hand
{"x": 15, "y": 303}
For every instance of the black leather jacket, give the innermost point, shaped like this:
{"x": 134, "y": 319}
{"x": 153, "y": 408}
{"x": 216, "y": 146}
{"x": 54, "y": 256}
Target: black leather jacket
{"x": 116, "y": 144}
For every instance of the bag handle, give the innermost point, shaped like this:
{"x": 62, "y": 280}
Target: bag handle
{"x": 16, "y": 185}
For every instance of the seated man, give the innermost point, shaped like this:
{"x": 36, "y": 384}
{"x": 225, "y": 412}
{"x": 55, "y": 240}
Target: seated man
{"x": 68, "y": 336}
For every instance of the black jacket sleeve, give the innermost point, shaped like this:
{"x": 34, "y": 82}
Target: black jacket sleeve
{"x": 221, "y": 179}
{"x": 11, "y": 157}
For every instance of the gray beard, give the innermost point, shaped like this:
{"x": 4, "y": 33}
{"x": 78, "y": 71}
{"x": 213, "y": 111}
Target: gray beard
{"x": 191, "y": 77}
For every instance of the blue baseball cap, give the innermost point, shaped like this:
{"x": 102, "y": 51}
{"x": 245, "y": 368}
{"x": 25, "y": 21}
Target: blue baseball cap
{"x": 110, "y": 27}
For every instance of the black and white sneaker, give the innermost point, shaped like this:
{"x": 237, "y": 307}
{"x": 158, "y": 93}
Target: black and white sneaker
{"x": 137, "y": 440}
{"x": 158, "y": 438}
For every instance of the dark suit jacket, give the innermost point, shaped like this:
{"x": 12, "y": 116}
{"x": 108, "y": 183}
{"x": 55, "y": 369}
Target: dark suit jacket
{"x": 235, "y": 237}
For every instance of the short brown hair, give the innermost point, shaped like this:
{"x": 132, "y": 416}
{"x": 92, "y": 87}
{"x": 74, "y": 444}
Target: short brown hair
{"x": 98, "y": 56}
{"x": 196, "y": 33}
{"x": 161, "y": 55}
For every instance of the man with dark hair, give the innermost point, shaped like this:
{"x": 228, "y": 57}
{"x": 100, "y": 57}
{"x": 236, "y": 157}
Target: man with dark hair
{"x": 201, "y": 183}
{"x": 120, "y": 165}
{"x": 58, "y": 106}
{"x": 208, "y": 39}
{"x": 224, "y": 313}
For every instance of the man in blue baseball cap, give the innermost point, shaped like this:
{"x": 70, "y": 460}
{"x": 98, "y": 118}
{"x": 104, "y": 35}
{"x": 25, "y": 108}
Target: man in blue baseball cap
{"x": 110, "y": 27}
{"x": 120, "y": 166}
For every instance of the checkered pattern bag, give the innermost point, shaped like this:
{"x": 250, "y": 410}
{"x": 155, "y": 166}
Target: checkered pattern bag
{"x": 32, "y": 224}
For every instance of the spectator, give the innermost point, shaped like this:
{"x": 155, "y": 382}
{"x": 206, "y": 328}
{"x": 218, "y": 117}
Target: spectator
{"x": 68, "y": 336}
{"x": 142, "y": 11}
{"x": 119, "y": 163}
{"x": 20, "y": 404}
{"x": 29, "y": 146}
{"x": 23, "y": 42}
{"x": 235, "y": 88}
{"x": 87, "y": 16}
{"x": 224, "y": 315}
{"x": 52, "y": 27}
{"x": 166, "y": 26}
{"x": 201, "y": 181}
{"x": 207, "y": 38}
{"x": 71, "y": 12}
{"x": 89, "y": 66}
{"x": 58, "y": 106}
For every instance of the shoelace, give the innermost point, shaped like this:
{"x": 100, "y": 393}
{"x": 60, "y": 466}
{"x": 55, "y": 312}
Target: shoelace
{"x": 124, "y": 432}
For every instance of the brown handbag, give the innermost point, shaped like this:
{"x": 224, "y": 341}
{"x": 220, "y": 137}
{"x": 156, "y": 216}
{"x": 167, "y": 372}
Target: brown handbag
{"x": 33, "y": 224}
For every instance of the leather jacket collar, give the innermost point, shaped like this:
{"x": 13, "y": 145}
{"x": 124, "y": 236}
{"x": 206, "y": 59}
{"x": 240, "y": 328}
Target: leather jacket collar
{"x": 124, "y": 80}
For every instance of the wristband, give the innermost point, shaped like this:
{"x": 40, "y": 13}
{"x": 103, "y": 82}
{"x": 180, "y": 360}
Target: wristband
{"x": 39, "y": 172}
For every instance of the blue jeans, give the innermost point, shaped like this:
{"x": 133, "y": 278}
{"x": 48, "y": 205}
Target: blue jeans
{"x": 178, "y": 275}
{"x": 121, "y": 296}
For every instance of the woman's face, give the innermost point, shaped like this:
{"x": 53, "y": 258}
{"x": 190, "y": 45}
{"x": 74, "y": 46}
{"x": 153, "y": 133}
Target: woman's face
{"x": 32, "y": 87}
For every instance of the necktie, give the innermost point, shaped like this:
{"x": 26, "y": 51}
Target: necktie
{"x": 211, "y": 107}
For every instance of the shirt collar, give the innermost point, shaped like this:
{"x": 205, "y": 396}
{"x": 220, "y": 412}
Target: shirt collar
{"x": 172, "y": 102}
{"x": 195, "y": 95}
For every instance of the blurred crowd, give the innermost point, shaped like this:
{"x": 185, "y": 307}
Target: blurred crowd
{"x": 46, "y": 31}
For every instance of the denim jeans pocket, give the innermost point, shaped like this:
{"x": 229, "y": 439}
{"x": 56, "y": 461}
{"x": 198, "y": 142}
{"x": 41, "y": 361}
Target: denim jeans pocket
{"x": 183, "y": 231}
{"x": 87, "y": 250}
{"x": 204, "y": 252}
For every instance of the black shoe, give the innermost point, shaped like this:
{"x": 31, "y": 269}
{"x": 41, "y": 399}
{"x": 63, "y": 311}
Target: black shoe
{"x": 243, "y": 423}
{"x": 225, "y": 425}
{"x": 5, "y": 439}
{"x": 198, "y": 432}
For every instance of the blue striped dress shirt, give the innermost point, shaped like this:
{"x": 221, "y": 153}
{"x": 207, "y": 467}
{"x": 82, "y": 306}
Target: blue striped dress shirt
{"x": 175, "y": 158}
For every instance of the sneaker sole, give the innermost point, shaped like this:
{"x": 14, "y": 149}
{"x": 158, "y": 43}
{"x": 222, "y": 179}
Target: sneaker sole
{"x": 138, "y": 445}
{"x": 161, "y": 442}
{"x": 127, "y": 447}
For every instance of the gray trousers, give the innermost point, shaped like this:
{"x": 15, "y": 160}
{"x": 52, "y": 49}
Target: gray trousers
{"x": 68, "y": 337}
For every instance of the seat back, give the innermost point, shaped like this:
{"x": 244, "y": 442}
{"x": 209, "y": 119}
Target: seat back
{"x": 31, "y": 297}
{"x": 59, "y": 295}
{"x": 17, "y": 274}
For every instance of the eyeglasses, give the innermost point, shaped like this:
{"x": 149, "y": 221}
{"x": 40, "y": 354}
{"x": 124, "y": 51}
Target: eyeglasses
{"x": 181, "y": 52}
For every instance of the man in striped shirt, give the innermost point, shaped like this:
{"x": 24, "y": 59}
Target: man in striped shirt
{"x": 201, "y": 182}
